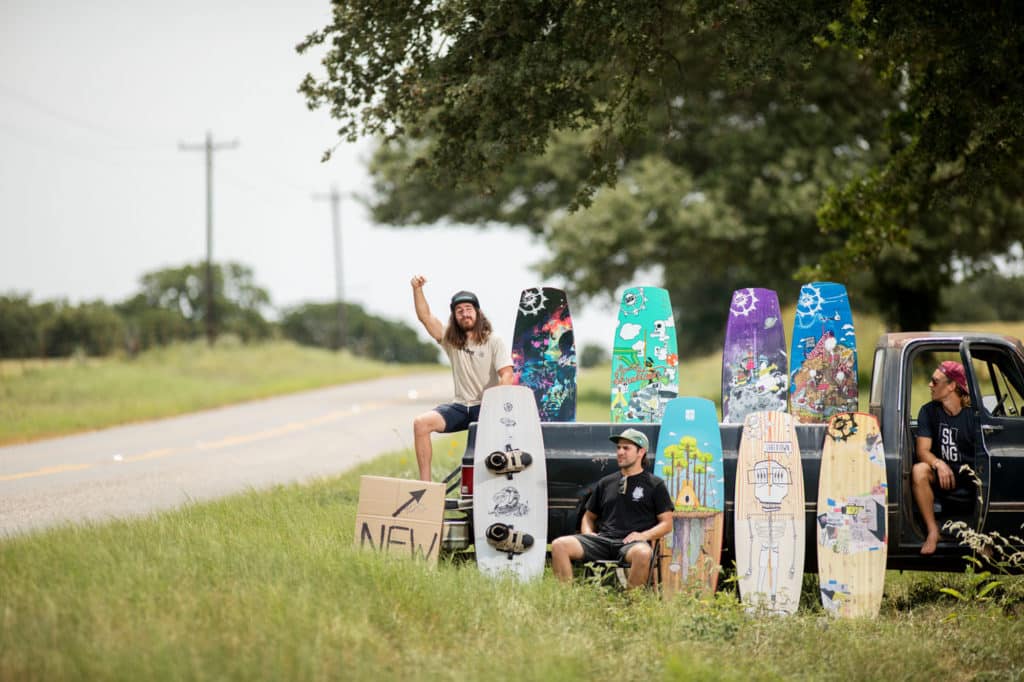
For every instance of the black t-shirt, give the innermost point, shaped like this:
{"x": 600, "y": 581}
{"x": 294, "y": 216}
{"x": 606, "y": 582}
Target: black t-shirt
{"x": 952, "y": 437}
{"x": 636, "y": 509}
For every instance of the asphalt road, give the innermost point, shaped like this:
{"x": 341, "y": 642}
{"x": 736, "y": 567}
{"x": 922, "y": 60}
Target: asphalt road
{"x": 137, "y": 469}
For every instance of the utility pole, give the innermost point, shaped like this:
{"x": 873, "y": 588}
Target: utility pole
{"x": 209, "y": 147}
{"x": 335, "y": 198}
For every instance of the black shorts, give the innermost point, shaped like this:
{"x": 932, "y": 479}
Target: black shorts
{"x": 963, "y": 483}
{"x": 600, "y": 548}
{"x": 457, "y": 417}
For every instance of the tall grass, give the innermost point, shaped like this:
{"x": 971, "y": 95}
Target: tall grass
{"x": 40, "y": 399}
{"x": 267, "y": 586}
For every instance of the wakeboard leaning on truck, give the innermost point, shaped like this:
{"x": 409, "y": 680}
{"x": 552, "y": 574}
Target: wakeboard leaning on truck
{"x": 769, "y": 520}
{"x": 852, "y": 533}
{"x": 755, "y": 371}
{"x": 510, "y": 485}
{"x": 823, "y": 360}
{"x": 544, "y": 352}
{"x": 645, "y": 357}
{"x": 689, "y": 460}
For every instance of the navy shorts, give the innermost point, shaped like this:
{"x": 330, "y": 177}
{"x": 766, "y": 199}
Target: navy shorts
{"x": 457, "y": 417}
{"x": 599, "y": 548}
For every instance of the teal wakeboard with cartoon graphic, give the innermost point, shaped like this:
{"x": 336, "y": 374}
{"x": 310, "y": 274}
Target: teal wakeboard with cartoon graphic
{"x": 645, "y": 358}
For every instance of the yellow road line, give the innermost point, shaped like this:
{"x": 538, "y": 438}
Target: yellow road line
{"x": 47, "y": 471}
{"x": 230, "y": 441}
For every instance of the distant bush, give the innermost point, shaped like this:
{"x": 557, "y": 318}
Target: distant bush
{"x": 316, "y": 324}
{"x": 21, "y": 326}
{"x": 593, "y": 355}
{"x": 91, "y": 328}
{"x": 147, "y": 326}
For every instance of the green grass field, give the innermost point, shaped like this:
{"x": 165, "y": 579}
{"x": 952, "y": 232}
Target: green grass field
{"x": 267, "y": 586}
{"x": 39, "y": 399}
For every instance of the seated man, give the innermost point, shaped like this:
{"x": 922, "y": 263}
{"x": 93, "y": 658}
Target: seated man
{"x": 630, "y": 507}
{"x": 945, "y": 442}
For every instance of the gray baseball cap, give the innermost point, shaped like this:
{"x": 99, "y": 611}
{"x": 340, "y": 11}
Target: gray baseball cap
{"x": 464, "y": 297}
{"x": 635, "y": 437}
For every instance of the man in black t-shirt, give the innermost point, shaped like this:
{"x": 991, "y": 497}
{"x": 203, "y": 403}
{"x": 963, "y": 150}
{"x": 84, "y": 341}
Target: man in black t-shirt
{"x": 945, "y": 442}
{"x": 626, "y": 511}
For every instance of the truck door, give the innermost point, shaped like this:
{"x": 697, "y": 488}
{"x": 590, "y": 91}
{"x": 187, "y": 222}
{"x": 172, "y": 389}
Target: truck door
{"x": 995, "y": 372}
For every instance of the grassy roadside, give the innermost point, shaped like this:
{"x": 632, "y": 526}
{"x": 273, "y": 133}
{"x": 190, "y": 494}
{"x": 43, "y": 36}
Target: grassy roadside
{"x": 266, "y": 585}
{"x": 40, "y": 399}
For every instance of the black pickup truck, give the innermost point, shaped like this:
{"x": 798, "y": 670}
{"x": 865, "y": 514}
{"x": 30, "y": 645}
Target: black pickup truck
{"x": 578, "y": 454}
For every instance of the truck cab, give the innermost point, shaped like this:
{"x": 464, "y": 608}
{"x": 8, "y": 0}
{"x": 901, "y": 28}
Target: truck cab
{"x": 995, "y": 376}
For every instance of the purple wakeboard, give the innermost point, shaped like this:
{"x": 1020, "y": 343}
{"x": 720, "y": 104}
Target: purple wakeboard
{"x": 754, "y": 365}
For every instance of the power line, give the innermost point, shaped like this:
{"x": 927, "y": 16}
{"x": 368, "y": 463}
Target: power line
{"x": 209, "y": 148}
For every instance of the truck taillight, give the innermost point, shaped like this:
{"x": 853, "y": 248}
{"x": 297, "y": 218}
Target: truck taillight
{"x": 467, "y": 481}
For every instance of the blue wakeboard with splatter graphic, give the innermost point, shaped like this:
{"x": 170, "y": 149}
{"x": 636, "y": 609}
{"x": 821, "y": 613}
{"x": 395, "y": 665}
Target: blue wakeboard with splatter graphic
{"x": 645, "y": 358}
{"x": 755, "y": 371}
{"x": 544, "y": 352}
{"x": 823, "y": 355}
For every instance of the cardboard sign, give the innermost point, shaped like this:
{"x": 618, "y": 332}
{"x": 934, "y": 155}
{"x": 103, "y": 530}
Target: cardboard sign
{"x": 400, "y": 517}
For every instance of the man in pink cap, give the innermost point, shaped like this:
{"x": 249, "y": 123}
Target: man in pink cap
{"x": 945, "y": 442}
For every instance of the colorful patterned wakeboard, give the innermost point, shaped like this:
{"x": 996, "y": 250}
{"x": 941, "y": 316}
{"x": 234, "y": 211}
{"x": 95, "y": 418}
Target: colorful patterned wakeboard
{"x": 644, "y": 356}
{"x": 544, "y": 354}
{"x": 510, "y": 509}
{"x": 755, "y": 372}
{"x": 689, "y": 460}
{"x": 769, "y": 514}
{"x": 852, "y": 530}
{"x": 823, "y": 378}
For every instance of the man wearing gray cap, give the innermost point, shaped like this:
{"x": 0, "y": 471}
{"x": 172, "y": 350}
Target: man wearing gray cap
{"x": 479, "y": 359}
{"x": 626, "y": 511}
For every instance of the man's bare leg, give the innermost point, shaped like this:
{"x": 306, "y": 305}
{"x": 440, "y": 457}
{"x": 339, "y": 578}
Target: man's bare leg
{"x": 921, "y": 480}
{"x": 564, "y": 551}
{"x": 639, "y": 558}
{"x": 423, "y": 427}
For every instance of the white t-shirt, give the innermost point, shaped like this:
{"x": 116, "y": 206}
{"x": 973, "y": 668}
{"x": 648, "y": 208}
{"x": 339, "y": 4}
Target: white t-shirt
{"x": 475, "y": 368}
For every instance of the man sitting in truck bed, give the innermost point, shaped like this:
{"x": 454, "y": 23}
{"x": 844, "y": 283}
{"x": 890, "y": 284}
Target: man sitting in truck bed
{"x": 945, "y": 442}
{"x": 626, "y": 511}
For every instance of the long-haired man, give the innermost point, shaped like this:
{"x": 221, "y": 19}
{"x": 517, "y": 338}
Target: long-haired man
{"x": 479, "y": 360}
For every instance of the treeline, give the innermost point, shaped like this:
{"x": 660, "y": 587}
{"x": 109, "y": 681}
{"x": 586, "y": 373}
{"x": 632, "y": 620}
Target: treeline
{"x": 171, "y": 306}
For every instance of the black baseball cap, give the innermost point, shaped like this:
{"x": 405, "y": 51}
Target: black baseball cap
{"x": 465, "y": 297}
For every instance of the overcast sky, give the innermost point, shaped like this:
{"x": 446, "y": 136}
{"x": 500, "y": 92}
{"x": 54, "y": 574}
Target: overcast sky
{"x": 95, "y": 98}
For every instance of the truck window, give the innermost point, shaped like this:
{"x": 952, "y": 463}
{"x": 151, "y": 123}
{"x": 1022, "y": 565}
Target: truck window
{"x": 999, "y": 382}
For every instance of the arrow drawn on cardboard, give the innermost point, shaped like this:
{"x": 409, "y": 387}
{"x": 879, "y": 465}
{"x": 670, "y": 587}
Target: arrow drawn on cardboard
{"x": 414, "y": 496}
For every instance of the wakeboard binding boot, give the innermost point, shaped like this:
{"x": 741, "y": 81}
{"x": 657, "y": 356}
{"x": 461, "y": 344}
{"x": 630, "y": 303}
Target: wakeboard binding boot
{"x": 504, "y": 538}
{"x": 508, "y": 463}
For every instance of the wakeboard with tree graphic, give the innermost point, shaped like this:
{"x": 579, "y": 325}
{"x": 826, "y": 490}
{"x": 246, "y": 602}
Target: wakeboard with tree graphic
{"x": 544, "y": 352}
{"x": 689, "y": 460}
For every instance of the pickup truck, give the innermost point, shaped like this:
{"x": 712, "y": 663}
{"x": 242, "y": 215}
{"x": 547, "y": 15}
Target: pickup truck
{"x": 578, "y": 454}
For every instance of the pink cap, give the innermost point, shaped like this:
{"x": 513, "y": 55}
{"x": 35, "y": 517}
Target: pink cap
{"x": 954, "y": 371}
